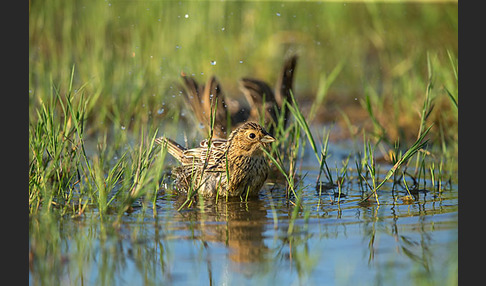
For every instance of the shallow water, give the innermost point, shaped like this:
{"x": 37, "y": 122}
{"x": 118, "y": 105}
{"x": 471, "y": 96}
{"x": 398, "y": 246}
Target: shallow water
{"x": 129, "y": 51}
{"x": 334, "y": 239}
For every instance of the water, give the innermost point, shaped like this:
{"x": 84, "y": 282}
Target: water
{"x": 335, "y": 240}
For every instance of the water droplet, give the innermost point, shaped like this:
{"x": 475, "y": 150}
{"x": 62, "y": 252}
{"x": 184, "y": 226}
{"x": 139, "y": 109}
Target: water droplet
{"x": 278, "y": 14}
{"x": 241, "y": 61}
{"x": 213, "y": 63}
{"x": 160, "y": 111}
{"x": 178, "y": 47}
{"x": 222, "y": 29}
{"x": 186, "y": 16}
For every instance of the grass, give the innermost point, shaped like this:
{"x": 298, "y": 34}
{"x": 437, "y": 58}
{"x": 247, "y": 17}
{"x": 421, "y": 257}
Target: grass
{"x": 121, "y": 86}
{"x": 130, "y": 61}
{"x": 56, "y": 150}
{"x": 104, "y": 81}
{"x": 63, "y": 176}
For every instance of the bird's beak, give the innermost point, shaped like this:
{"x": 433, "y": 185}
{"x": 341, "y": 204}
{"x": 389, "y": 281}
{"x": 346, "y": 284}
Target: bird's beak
{"x": 267, "y": 139}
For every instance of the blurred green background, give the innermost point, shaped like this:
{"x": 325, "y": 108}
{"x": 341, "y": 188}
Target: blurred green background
{"x": 128, "y": 55}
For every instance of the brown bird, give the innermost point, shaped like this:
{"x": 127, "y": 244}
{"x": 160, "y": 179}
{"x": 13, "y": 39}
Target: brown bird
{"x": 263, "y": 101}
{"x": 259, "y": 94}
{"x": 228, "y": 167}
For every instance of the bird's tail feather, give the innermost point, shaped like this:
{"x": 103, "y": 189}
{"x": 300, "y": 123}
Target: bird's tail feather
{"x": 173, "y": 147}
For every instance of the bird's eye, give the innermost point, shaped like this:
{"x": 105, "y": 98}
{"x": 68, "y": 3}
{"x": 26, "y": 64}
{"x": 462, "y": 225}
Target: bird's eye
{"x": 252, "y": 135}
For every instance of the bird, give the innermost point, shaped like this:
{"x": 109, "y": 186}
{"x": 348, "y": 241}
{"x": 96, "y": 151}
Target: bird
{"x": 226, "y": 167}
{"x": 264, "y": 103}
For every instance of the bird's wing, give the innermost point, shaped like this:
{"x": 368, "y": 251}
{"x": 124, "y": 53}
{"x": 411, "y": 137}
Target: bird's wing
{"x": 209, "y": 155}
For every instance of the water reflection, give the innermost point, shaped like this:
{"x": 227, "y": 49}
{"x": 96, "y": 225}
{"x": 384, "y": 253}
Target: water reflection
{"x": 239, "y": 225}
{"x": 238, "y": 242}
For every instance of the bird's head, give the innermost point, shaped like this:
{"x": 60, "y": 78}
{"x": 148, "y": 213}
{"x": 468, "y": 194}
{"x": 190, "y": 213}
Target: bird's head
{"x": 250, "y": 138}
